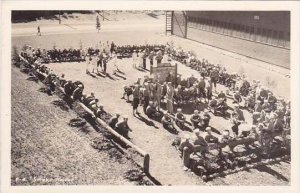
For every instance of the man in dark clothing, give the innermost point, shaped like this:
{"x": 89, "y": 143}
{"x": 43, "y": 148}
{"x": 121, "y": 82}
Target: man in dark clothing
{"x": 112, "y": 47}
{"x": 237, "y": 117}
{"x": 77, "y": 93}
{"x": 113, "y": 121}
{"x": 201, "y": 87}
{"x": 69, "y": 88}
{"x": 122, "y": 127}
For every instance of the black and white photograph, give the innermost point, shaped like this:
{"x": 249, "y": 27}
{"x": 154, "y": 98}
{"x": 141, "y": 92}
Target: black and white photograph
{"x": 179, "y": 96}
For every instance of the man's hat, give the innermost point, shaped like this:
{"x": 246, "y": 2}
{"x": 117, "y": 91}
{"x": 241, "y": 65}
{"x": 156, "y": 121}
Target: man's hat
{"x": 208, "y": 129}
{"x": 179, "y": 110}
{"x": 197, "y": 131}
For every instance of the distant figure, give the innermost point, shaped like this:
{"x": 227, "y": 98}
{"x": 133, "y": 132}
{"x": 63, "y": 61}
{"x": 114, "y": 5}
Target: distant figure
{"x": 98, "y": 25}
{"x": 39, "y": 31}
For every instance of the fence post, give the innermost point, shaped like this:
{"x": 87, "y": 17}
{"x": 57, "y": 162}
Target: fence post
{"x": 146, "y": 163}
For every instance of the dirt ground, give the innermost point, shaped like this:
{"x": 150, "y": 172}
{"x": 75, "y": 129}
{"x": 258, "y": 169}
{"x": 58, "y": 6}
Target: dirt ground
{"x": 46, "y": 150}
{"x": 165, "y": 164}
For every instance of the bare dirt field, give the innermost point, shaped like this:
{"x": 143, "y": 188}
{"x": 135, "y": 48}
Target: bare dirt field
{"x": 165, "y": 164}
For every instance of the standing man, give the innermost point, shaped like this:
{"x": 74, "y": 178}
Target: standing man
{"x": 136, "y": 98}
{"x": 158, "y": 94}
{"x": 170, "y": 95}
{"x": 112, "y": 47}
{"x": 146, "y": 96}
{"x": 39, "y": 31}
{"x": 135, "y": 59}
{"x": 105, "y": 58}
{"x": 151, "y": 56}
{"x": 144, "y": 59}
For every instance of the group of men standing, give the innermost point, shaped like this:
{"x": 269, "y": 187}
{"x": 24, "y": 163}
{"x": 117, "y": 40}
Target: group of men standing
{"x": 97, "y": 60}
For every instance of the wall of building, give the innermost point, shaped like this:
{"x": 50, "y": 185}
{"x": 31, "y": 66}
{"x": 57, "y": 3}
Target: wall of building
{"x": 267, "y": 27}
{"x": 263, "y": 35}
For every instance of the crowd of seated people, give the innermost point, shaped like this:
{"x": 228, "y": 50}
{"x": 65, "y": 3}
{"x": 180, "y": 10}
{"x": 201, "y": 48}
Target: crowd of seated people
{"x": 126, "y": 51}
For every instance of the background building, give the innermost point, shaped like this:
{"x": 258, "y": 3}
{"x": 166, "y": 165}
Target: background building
{"x": 264, "y": 35}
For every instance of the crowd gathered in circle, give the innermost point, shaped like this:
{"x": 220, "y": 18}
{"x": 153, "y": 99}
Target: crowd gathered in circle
{"x": 270, "y": 114}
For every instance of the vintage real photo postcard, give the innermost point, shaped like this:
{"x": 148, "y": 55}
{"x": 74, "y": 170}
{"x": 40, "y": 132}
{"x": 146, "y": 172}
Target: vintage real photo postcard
{"x": 183, "y": 96}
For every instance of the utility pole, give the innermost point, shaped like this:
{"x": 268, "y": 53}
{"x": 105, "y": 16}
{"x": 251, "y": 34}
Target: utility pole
{"x": 59, "y": 20}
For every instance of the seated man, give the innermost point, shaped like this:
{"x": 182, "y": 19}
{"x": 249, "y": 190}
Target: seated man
{"x": 206, "y": 118}
{"x": 69, "y": 88}
{"x": 122, "y": 127}
{"x": 222, "y": 95}
{"x": 222, "y": 106}
{"x": 151, "y": 110}
{"x": 128, "y": 90}
{"x": 93, "y": 104}
{"x": 213, "y": 104}
{"x": 114, "y": 120}
{"x": 100, "y": 110}
{"x": 196, "y": 119}
{"x": 185, "y": 143}
{"x": 209, "y": 138}
{"x": 237, "y": 98}
{"x": 249, "y": 133}
{"x": 199, "y": 143}
{"x": 272, "y": 100}
{"x": 77, "y": 93}
{"x": 89, "y": 99}
{"x": 225, "y": 137}
{"x": 267, "y": 106}
{"x": 167, "y": 121}
{"x": 250, "y": 102}
{"x": 62, "y": 80}
{"x": 186, "y": 148}
{"x": 179, "y": 118}
{"x": 237, "y": 117}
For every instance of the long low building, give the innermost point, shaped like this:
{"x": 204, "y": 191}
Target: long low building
{"x": 264, "y": 35}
